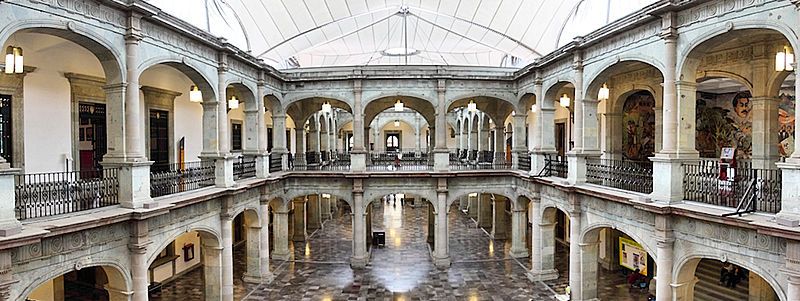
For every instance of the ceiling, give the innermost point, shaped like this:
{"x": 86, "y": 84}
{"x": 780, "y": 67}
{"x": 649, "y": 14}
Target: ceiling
{"x": 315, "y": 33}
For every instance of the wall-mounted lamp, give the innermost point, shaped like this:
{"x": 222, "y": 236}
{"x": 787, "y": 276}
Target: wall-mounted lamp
{"x": 195, "y": 95}
{"x": 233, "y": 103}
{"x": 603, "y": 93}
{"x": 14, "y": 60}
{"x": 783, "y": 60}
{"x": 472, "y": 107}
{"x": 564, "y": 101}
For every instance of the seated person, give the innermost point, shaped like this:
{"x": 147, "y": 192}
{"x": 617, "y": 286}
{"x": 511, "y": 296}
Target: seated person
{"x": 634, "y": 278}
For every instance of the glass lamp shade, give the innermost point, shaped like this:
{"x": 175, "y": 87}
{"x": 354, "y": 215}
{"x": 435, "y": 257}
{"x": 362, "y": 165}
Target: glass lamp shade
{"x": 397, "y": 123}
{"x": 326, "y": 107}
{"x": 398, "y": 106}
{"x": 19, "y": 63}
{"x": 472, "y": 107}
{"x": 534, "y": 108}
{"x": 233, "y": 103}
{"x": 9, "y": 68}
{"x": 603, "y": 93}
{"x": 784, "y": 60}
{"x": 195, "y": 95}
{"x": 564, "y": 101}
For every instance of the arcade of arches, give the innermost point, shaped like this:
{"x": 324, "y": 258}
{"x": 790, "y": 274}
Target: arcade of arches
{"x": 143, "y": 158}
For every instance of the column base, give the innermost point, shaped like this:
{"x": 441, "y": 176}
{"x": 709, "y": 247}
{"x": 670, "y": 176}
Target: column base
{"x": 519, "y": 253}
{"x": 258, "y": 278}
{"x": 790, "y": 194}
{"x": 134, "y": 183}
{"x": 542, "y": 275}
{"x": 668, "y": 179}
{"x": 358, "y": 161}
{"x": 281, "y": 256}
{"x": 223, "y": 169}
{"x": 441, "y": 160}
{"x": 262, "y": 165}
{"x": 442, "y": 263}
{"x": 359, "y": 262}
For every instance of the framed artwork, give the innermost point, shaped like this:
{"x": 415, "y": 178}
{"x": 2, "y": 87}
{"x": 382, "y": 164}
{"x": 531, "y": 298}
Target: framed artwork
{"x": 727, "y": 153}
{"x": 89, "y": 134}
{"x": 188, "y": 252}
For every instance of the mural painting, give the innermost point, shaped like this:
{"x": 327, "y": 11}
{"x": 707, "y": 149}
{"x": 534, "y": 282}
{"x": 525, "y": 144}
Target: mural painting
{"x": 786, "y": 122}
{"x": 639, "y": 124}
{"x": 724, "y": 120}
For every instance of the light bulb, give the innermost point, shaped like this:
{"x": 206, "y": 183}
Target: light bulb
{"x": 564, "y": 101}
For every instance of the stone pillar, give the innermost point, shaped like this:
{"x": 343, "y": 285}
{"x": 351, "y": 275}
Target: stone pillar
{"x": 611, "y": 144}
{"x": 261, "y": 155}
{"x": 226, "y": 221}
{"x": 485, "y": 210}
{"x": 483, "y": 136}
{"x": 313, "y": 137}
{"x": 9, "y": 225}
{"x": 431, "y": 224}
{"x": 765, "y": 124}
{"x": 472, "y": 211}
{"x": 518, "y": 140}
{"x": 279, "y": 139}
{"x": 463, "y": 204}
{"x": 252, "y": 273}
{"x": 222, "y": 106}
{"x": 299, "y": 216}
{"x": 473, "y": 139}
{"x": 264, "y": 270}
{"x": 519, "y": 225}
{"x": 499, "y": 218}
{"x": 212, "y": 271}
{"x": 441, "y": 156}
{"x": 323, "y": 136}
{"x": 588, "y": 267}
{"x": 499, "y": 143}
{"x": 793, "y": 289}
{"x": 210, "y": 133}
{"x": 281, "y": 236}
{"x": 664, "y": 257}
{"x": 544, "y": 129}
{"x": 313, "y": 213}
{"x": 300, "y": 151}
{"x": 325, "y": 204}
{"x": 792, "y": 269}
{"x": 358, "y": 155}
{"x": 360, "y": 256}
{"x": 441, "y": 253}
{"x": 543, "y": 242}
{"x": 575, "y": 253}
{"x": 139, "y": 267}
{"x": 134, "y": 142}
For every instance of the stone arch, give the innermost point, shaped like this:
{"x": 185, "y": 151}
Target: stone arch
{"x": 243, "y": 92}
{"x": 709, "y": 74}
{"x": 612, "y": 68}
{"x": 496, "y": 106}
{"x": 119, "y": 277}
{"x": 549, "y": 212}
{"x": 301, "y": 107}
{"x": 687, "y": 62}
{"x": 287, "y": 198}
{"x": 526, "y": 100}
{"x": 596, "y": 77}
{"x": 188, "y": 68}
{"x": 686, "y": 267}
{"x": 417, "y": 102}
{"x": 551, "y": 92}
{"x": 252, "y": 214}
{"x": 404, "y": 119}
{"x": 456, "y": 194}
{"x": 207, "y": 234}
{"x": 111, "y": 59}
{"x": 272, "y": 103}
{"x": 649, "y": 246}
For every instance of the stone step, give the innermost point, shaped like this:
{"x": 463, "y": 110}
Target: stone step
{"x": 709, "y": 289}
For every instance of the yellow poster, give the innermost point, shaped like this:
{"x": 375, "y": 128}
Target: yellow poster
{"x": 632, "y": 255}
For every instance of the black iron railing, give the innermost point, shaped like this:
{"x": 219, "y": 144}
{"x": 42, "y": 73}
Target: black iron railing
{"x": 166, "y": 179}
{"x": 524, "y": 162}
{"x": 275, "y": 161}
{"x": 709, "y": 182}
{"x": 244, "y": 168}
{"x": 554, "y": 166}
{"x": 498, "y": 162}
{"x": 339, "y": 162}
{"x": 54, "y": 193}
{"x": 623, "y": 174}
{"x": 400, "y": 161}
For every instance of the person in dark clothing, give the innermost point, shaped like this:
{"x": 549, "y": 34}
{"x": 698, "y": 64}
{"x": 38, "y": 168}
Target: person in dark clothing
{"x": 291, "y": 161}
{"x": 726, "y": 273}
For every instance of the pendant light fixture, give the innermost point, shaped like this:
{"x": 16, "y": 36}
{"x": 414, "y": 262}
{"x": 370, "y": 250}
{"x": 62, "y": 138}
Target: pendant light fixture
{"x": 472, "y": 107}
{"x": 233, "y": 103}
{"x": 534, "y": 108}
{"x": 326, "y": 107}
{"x": 14, "y": 60}
{"x": 396, "y": 123}
{"x": 564, "y": 101}
{"x": 195, "y": 95}
{"x": 784, "y": 60}
{"x": 603, "y": 93}
{"x": 398, "y": 106}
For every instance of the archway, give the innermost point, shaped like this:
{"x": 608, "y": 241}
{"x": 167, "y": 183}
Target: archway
{"x": 554, "y": 242}
{"x": 562, "y": 93}
{"x": 96, "y": 282}
{"x": 191, "y": 259}
{"x": 298, "y": 221}
{"x": 482, "y": 140}
{"x": 312, "y": 117}
{"x": 386, "y": 108}
{"x": 708, "y": 278}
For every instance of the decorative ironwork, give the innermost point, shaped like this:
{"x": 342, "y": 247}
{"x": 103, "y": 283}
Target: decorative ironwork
{"x": 709, "y": 182}
{"x": 275, "y": 162}
{"x": 244, "y": 168}
{"x": 54, "y": 193}
{"x": 168, "y": 179}
{"x": 554, "y": 166}
{"x": 623, "y": 174}
{"x": 497, "y": 162}
{"x": 338, "y": 162}
{"x": 524, "y": 162}
{"x": 393, "y": 161}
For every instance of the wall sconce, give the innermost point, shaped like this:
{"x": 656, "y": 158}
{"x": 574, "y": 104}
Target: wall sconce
{"x": 233, "y": 103}
{"x": 603, "y": 93}
{"x": 534, "y": 108}
{"x": 14, "y": 60}
{"x": 564, "y": 101}
{"x": 195, "y": 95}
{"x": 784, "y": 60}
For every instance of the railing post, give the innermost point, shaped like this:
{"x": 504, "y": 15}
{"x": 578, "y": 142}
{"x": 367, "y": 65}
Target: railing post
{"x": 9, "y": 225}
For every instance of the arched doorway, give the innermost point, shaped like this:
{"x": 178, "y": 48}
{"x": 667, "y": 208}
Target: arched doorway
{"x": 193, "y": 261}
{"x": 87, "y": 283}
{"x": 704, "y": 278}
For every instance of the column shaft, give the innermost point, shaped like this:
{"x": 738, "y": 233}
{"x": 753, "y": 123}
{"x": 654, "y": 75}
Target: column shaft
{"x": 519, "y": 227}
{"x": 281, "y": 235}
{"x": 441, "y": 249}
{"x": 359, "y": 258}
{"x": 499, "y": 219}
{"x": 222, "y": 113}
{"x": 134, "y": 142}
{"x": 664, "y": 269}
{"x": 227, "y": 257}
{"x": 139, "y": 273}
{"x": 575, "y": 255}
{"x": 299, "y": 220}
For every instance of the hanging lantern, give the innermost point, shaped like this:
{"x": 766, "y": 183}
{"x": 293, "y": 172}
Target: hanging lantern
{"x": 195, "y": 95}
{"x": 603, "y": 93}
{"x": 233, "y": 103}
{"x": 784, "y": 60}
{"x": 326, "y": 107}
{"x": 513, "y": 113}
{"x": 534, "y": 108}
{"x": 18, "y": 60}
{"x": 9, "y": 60}
{"x": 396, "y": 123}
{"x": 564, "y": 101}
{"x": 472, "y": 107}
{"x": 398, "y": 106}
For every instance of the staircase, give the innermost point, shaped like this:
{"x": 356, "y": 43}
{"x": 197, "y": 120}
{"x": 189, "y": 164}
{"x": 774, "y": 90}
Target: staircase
{"x": 709, "y": 289}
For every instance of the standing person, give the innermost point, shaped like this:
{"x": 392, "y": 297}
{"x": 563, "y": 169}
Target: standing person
{"x": 291, "y": 161}
{"x": 726, "y": 273}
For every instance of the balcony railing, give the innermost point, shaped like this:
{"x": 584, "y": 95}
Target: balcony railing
{"x": 392, "y": 161}
{"x": 48, "y": 194}
{"x": 490, "y": 161}
{"x": 623, "y": 174}
{"x": 244, "y": 168}
{"x": 166, "y": 179}
{"x": 722, "y": 185}
{"x": 524, "y": 162}
{"x": 275, "y": 162}
{"x": 554, "y": 166}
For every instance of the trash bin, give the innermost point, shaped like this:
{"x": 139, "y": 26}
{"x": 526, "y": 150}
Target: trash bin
{"x": 378, "y": 238}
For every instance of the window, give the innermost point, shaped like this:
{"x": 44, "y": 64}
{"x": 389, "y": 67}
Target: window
{"x": 392, "y": 142}
{"x": 5, "y": 128}
{"x": 236, "y": 136}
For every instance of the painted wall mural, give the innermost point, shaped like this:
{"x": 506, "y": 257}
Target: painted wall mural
{"x": 724, "y": 120}
{"x": 786, "y": 122}
{"x": 639, "y": 124}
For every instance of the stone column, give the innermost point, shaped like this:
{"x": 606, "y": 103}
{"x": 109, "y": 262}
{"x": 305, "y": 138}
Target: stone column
{"x": 431, "y": 224}
{"x": 483, "y": 138}
{"x": 9, "y": 225}
{"x": 139, "y": 267}
{"x": 441, "y": 156}
{"x": 212, "y": 271}
{"x": 499, "y": 143}
{"x": 793, "y": 289}
{"x": 664, "y": 257}
{"x": 544, "y": 129}
{"x": 223, "y": 159}
{"x": 790, "y": 171}
{"x": 765, "y": 124}
{"x": 313, "y": 137}
{"x": 210, "y": 133}
{"x": 360, "y": 256}
{"x": 134, "y": 142}
{"x": 441, "y": 253}
{"x": 358, "y": 155}
{"x": 263, "y": 250}
{"x": 499, "y": 218}
{"x": 473, "y": 142}
{"x": 575, "y": 256}
{"x": 300, "y": 133}
{"x": 543, "y": 242}
{"x": 261, "y": 154}
{"x": 226, "y": 221}
{"x": 323, "y": 137}
{"x": 252, "y": 273}
{"x": 313, "y": 213}
{"x": 417, "y": 141}
{"x": 518, "y": 141}
{"x": 472, "y": 211}
{"x": 299, "y": 205}
{"x": 485, "y": 210}
{"x": 281, "y": 236}
{"x": 588, "y": 268}
{"x": 279, "y": 139}
{"x": 519, "y": 225}
{"x": 325, "y": 204}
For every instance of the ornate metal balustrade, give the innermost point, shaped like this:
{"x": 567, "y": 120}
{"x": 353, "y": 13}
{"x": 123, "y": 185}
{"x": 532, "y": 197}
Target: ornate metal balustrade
{"x": 244, "y": 168}
{"x": 524, "y": 162}
{"x": 708, "y": 182}
{"x": 623, "y": 174}
{"x": 275, "y": 162}
{"x": 166, "y": 179}
{"x": 554, "y": 166}
{"x": 392, "y": 161}
{"x": 498, "y": 162}
{"x": 54, "y": 193}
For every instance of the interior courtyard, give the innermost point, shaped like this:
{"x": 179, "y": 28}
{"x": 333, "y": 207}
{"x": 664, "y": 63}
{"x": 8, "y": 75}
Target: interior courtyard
{"x": 399, "y": 150}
